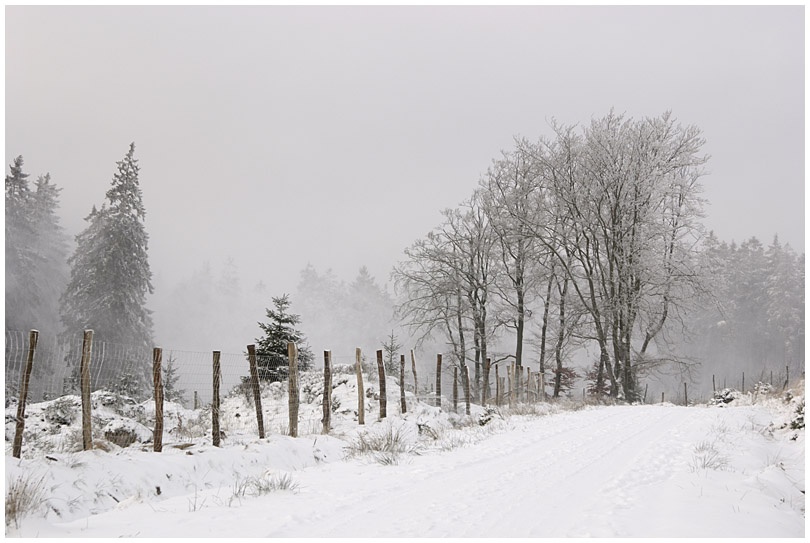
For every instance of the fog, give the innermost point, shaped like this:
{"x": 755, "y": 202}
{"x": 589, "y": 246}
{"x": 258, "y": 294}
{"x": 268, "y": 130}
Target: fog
{"x": 273, "y": 138}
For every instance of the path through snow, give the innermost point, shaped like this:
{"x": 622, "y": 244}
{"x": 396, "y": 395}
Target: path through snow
{"x": 626, "y": 471}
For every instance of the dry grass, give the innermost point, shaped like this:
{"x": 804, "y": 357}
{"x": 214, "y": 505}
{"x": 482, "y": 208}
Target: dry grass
{"x": 706, "y": 456}
{"x": 25, "y": 495}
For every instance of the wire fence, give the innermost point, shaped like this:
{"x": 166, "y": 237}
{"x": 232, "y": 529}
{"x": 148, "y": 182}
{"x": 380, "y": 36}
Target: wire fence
{"x": 188, "y": 375}
{"x": 124, "y": 369}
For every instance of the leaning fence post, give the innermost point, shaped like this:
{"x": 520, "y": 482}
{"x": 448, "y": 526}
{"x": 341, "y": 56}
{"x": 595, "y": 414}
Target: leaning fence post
{"x": 87, "y": 429}
{"x": 157, "y": 380}
{"x": 361, "y": 400}
{"x": 403, "y": 407}
{"x": 292, "y": 356}
{"x": 257, "y": 391}
{"x": 381, "y": 372}
{"x": 413, "y": 369}
{"x": 215, "y": 434}
{"x": 26, "y": 377}
{"x": 327, "y": 391}
{"x": 439, "y": 381}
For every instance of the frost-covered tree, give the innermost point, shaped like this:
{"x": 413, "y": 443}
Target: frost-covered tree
{"x": 21, "y": 292}
{"x": 36, "y": 252}
{"x": 271, "y": 349}
{"x": 391, "y": 347}
{"x": 110, "y": 275}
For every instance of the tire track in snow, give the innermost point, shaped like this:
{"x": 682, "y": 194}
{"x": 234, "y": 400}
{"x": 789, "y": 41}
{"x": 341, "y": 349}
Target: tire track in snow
{"x": 482, "y": 491}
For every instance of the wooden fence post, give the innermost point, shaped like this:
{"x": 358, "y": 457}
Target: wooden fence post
{"x": 787, "y": 377}
{"x": 455, "y": 389}
{"x": 361, "y": 393}
{"x": 645, "y": 393}
{"x": 402, "y": 405}
{"x": 743, "y": 383}
{"x": 87, "y": 429}
{"x": 257, "y": 391}
{"x": 294, "y": 399}
{"x": 157, "y": 379}
{"x": 33, "y": 337}
{"x": 413, "y": 368}
{"x": 497, "y": 387}
{"x": 685, "y": 397}
{"x": 196, "y": 404}
{"x": 714, "y": 388}
{"x": 528, "y": 383}
{"x": 466, "y": 389}
{"x": 439, "y": 381}
{"x": 217, "y": 378}
{"x": 510, "y": 370}
{"x": 542, "y": 385}
{"x": 662, "y": 397}
{"x": 327, "y": 391}
{"x": 383, "y": 396}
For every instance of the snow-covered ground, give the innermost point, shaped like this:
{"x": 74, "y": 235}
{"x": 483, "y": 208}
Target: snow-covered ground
{"x": 539, "y": 471}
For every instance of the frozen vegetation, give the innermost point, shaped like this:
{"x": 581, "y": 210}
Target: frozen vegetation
{"x": 731, "y": 468}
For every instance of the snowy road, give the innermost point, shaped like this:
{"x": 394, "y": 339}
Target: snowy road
{"x": 604, "y": 472}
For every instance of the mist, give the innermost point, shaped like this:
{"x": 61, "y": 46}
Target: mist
{"x": 275, "y": 140}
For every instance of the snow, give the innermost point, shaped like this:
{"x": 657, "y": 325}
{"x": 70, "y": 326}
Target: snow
{"x": 547, "y": 470}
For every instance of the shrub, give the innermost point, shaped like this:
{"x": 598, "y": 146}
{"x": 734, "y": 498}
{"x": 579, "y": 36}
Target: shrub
{"x": 724, "y": 396}
{"x": 487, "y": 415}
{"x": 797, "y": 420}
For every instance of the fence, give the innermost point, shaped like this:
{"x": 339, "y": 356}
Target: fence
{"x": 41, "y": 368}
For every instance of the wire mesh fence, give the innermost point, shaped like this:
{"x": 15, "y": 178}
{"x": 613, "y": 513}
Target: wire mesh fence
{"x": 188, "y": 375}
{"x": 124, "y": 369}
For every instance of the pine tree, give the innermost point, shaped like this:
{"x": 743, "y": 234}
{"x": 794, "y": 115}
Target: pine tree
{"x": 21, "y": 292}
{"x": 271, "y": 349}
{"x": 51, "y": 274}
{"x": 391, "y": 348}
{"x": 110, "y": 275}
{"x": 170, "y": 382}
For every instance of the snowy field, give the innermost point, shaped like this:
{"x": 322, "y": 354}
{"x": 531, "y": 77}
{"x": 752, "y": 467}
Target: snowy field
{"x": 558, "y": 470}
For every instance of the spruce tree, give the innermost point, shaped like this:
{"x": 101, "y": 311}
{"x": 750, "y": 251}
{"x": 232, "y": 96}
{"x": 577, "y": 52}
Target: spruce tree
{"x": 271, "y": 349}
{"x": 52, "y": 251}
{"x": 21, "y": 292}
{"x": 36, "y": 252}
{"x": 110, "y": 276}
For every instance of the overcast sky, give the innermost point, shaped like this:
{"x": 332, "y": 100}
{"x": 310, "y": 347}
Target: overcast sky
{"x": 334, "y": 135}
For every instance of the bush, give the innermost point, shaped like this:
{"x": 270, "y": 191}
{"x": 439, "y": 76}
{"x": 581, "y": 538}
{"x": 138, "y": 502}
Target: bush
{"x": 488, "y": 414}
{"x": 725, "y": 396}
{"x": 797, "y": 420}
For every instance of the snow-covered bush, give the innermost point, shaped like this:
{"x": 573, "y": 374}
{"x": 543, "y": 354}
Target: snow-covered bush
{"x": 487, "y": 415}
{"x": 724, "y": 397}
{"x": 797, "y": 420}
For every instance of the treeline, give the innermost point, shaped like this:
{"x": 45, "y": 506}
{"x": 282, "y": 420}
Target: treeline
{"x": 101, "y": 286}
{"x": 36, "y": 251}
{"x": 590, "y": 241}
{"x": 753, "y": 321}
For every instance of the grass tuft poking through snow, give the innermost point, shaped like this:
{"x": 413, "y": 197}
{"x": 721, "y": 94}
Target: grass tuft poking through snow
{"x": 25, "y": 495}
